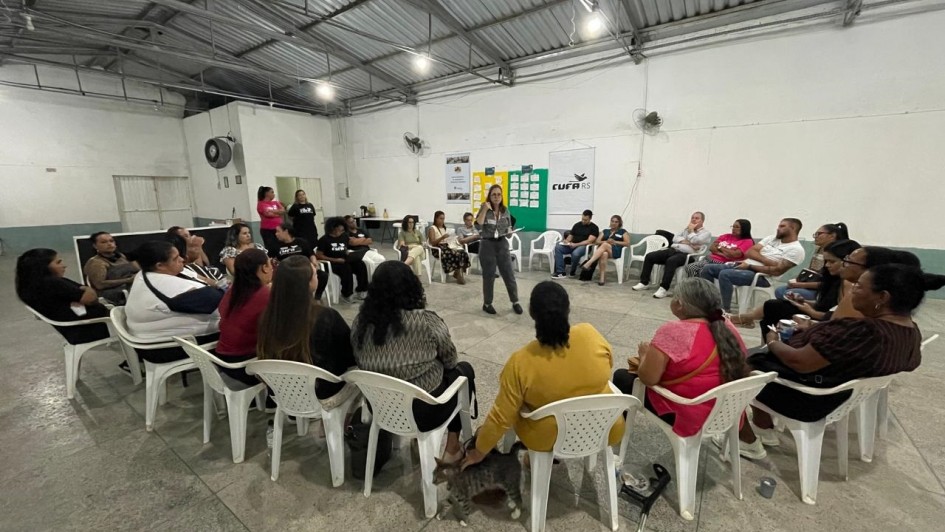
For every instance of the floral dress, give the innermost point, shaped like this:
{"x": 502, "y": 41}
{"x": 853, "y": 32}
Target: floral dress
{"x": 449, "y": 251}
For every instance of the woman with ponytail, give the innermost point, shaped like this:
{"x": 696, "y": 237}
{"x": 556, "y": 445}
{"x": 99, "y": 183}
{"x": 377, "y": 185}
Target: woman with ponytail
{"x": 688, "y": 357}
{"x": 563, "y": 361}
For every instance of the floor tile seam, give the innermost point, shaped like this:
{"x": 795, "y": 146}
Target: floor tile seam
{"x": 917, "y": 450}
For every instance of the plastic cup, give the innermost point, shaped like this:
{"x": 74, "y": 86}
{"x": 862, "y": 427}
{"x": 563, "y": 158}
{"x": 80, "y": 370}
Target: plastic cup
{"x": 766, "y": 487}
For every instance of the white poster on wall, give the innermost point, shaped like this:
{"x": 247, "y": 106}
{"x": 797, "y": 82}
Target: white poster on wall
{"x": 457, "y": 178}
{"x": 570, "y": 181}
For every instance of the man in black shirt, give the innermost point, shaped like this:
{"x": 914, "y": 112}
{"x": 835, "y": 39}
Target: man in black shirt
{"x": 289, "y": 245}
{"x": 333, "y": 248}
{"x": 583, "y": 234}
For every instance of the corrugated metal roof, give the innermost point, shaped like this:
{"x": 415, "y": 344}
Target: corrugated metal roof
{"x": 369, "y": 34}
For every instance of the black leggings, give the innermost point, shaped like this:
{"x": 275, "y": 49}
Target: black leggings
{"x": 623, "y": 380}
{"x": 238, "y": 374}
{"x": 430, "y": 416}
{"x": 170, "y": 354}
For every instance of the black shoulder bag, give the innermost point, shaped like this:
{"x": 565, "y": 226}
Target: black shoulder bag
{"x": 198, "y": 301}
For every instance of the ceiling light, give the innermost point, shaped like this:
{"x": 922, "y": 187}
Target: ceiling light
{"x": 325, "y": 91}
{"x": 421, "y": 63}
{"x": 29, "y": 22}
{"x": 594, "y": 23}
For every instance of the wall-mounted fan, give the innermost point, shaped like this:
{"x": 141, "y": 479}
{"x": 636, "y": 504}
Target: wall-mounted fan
{"x": 413, "y": 142}
{"x": 648, "y": 123}
{"x": 219, "y": 151}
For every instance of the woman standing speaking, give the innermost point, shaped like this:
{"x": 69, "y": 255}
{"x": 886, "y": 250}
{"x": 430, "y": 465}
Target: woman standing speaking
{"x": 496, "y": 223}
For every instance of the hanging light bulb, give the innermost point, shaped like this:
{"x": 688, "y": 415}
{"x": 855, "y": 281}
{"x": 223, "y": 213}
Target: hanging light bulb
{"x": 594, "y": 23}
{"x": 29, "y": 22}
{"x": 421, "y": 63}
{"x": 325, "y": 91}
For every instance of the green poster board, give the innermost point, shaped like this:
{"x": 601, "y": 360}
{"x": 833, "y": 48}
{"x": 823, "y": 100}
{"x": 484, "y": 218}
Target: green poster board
{"x": 528, "y": 198}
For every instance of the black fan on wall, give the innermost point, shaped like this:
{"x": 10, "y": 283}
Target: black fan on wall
{"x": 219, "y": 151}
{"x": 648, "y": 123}
{"x": 413, "y": 142}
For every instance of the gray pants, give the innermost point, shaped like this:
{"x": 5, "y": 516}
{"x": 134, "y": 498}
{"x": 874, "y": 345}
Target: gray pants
{"x": 494, "y": 253}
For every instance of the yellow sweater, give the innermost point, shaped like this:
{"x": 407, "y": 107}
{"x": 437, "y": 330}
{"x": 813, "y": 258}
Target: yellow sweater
{"x": 535, "y": 376}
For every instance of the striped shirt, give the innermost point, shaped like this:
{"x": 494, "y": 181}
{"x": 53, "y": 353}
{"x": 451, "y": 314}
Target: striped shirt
{"x": 418, "y": 355}
{"x": 862, "y": 348}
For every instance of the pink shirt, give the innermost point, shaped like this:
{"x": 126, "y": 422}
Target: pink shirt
{"x": 267, "y": 220}
{"x": 687, "y": 344}
{"x": 731, "y": 241}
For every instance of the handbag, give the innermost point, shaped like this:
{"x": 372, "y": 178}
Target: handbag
{"x": 356, "y": 436}
{"x": 203, "y": 300}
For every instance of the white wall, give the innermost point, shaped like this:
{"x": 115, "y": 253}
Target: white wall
{"x": 86, "y": 141}
{"x": 212, "y": 198}
{"x": 828, "y": 124}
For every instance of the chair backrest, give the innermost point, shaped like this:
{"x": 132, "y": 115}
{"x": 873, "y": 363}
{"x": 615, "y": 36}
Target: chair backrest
{"x": 292, "y": 383}
{"x": 204, "y": 362}
{"x": 584, "y": 423}
{"x": 120, "y": 324}
{"x": 548, "y": 240}
{"x": 654, "y": 243}
{"x": 515, "y": 243}
{"x": 862, "y": 389}
{"x": 731, "y": 399}
{"x": 391, "y": 399}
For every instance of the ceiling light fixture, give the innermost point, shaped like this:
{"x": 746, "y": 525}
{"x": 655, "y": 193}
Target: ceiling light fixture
{"x": 325, "y": 91}
{"x": 594, "y": 22}
{"x": 421, "y": 63}
{"x": 29, "y": 22}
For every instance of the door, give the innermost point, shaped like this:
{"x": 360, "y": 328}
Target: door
{"x": 285, "y": 192}
{"x": 152, "y": 203}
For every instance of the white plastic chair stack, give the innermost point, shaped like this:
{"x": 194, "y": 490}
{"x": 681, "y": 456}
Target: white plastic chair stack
{"x": 73, "y": 353}
{"x": 392, "y": 407}
{"x": 238, "y": 395}
{"x": 584, "y": 425}
{"x": 155, "y": 375}
{"x": 548, "y": 240}
{"x": 515, "y": 250}
{"x": 649, "y": 244}
{"x": 882, "y": 407}
{"x": 731, "y": 400}
{"x": 809, "y": 436}
{"x": 293, "y": 388}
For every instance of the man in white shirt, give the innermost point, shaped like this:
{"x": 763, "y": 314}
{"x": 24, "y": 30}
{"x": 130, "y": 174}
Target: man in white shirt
{"x": 772, "y": 256}
{"x": 692, "y": 239}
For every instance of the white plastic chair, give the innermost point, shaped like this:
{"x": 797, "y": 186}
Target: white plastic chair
{"x": 515, "y": 249}
{"x": 238, "y": 395}
{"x": 549, "y": 239}
{"x": 618, "y": 263}
{"x": 332, "y": 292}
{"x": 882, "y": 408}
{"x": 690, "y": 258}
{"x": 155, "y": 375}
{"x": 425, "y": 262}
{"x": 473, "y": 258}
{"x": 391, "y": 402}
{"x": 293, "y": 388}
{"x": 746, "y": 294}
{"x": 649, "y": 244}
{"x": 809, "y": 436}
{"x": 73, "y": 353}
{"x": 434, "y": 262}
{"x": 584, "y": 425}
{"x": 731, "y": 399}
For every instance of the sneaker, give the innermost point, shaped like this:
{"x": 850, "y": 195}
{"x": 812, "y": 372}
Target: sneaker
{"x": 361, "y": 296}
{"x": 639, "y": 286}
{"x": 751, "y": 451}
{"x": 768, "y": 437}
{"x": 558, "y": 276}
{"x": 349, "y": 299}
{"x": 661, "y": 293}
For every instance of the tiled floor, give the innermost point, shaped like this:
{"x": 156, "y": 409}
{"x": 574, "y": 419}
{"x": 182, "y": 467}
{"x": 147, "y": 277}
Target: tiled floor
{"x": 89, "y": 464}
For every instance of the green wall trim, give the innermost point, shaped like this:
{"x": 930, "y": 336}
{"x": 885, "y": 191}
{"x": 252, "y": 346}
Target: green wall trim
{"x": 16, "y": 240}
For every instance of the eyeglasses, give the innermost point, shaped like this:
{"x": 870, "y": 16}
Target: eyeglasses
{"x": 846, "y": 260}
{"x": 818, "y": 233}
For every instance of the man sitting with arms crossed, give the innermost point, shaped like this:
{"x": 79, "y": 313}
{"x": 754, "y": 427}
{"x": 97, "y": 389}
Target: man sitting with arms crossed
{"x": 109, "y": 271}
{"x": 359, "y": 243}
{"x": 691, "y": 239}
{"x": 333, "y": 248}
{"x": 584, "y": 233}
{"x": 774, "y": 255}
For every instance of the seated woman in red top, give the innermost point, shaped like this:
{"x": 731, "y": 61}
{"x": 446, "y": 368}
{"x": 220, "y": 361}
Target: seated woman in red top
{"x": 730, "y": 247}
{"x": 688, "y": 357}
{"x": 240, "y": 309}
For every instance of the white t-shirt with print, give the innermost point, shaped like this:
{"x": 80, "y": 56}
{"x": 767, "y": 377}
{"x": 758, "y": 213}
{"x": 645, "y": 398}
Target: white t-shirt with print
{"x": 149, "y": 318}
{"x": 773, "y": 248}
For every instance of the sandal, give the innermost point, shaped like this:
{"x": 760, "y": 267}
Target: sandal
{"x": 740, "y": 321}
{"x": 452, "y": 458}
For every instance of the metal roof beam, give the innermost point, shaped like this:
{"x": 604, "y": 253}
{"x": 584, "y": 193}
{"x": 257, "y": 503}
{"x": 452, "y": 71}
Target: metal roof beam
{"x": 852, "y": 11}
{"x": 301, "y": 40}
{"x": 735, "y": 15}
{"x": 435, "y": 8}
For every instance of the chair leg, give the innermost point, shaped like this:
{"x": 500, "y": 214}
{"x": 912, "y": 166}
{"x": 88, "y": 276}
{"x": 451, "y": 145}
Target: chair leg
{"x": 866, "y": 428}
{"x": 237, "y": 408}
{"x": 843, "y": 446}
{"x": 625, "y": 441}
{"x": 429, "y": 448}
{"x": 611, "y": 479}
{"x": 261, "y": 399}
{"x": 463, "y": 413}
{"x": 591, "y": 463}
{"x": 301, "y": 425}
{"x": 276, "y": 444}
{"x": 508, "y": 440}
{"x": 809, "y": 438}
{"x": 151, "y": 387}
{"x": 882, "y": 412}
{"x": 134, "y": 364}
{"x": 687, "y": 471}
{"x": 208, "y": 411}
{"x": 541, "y": 482}
{"x": 371, "y": 454}
{"x": 734, "y": 459}
{"x": 71, "y": 369}
{"x": 334, "y": 421}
